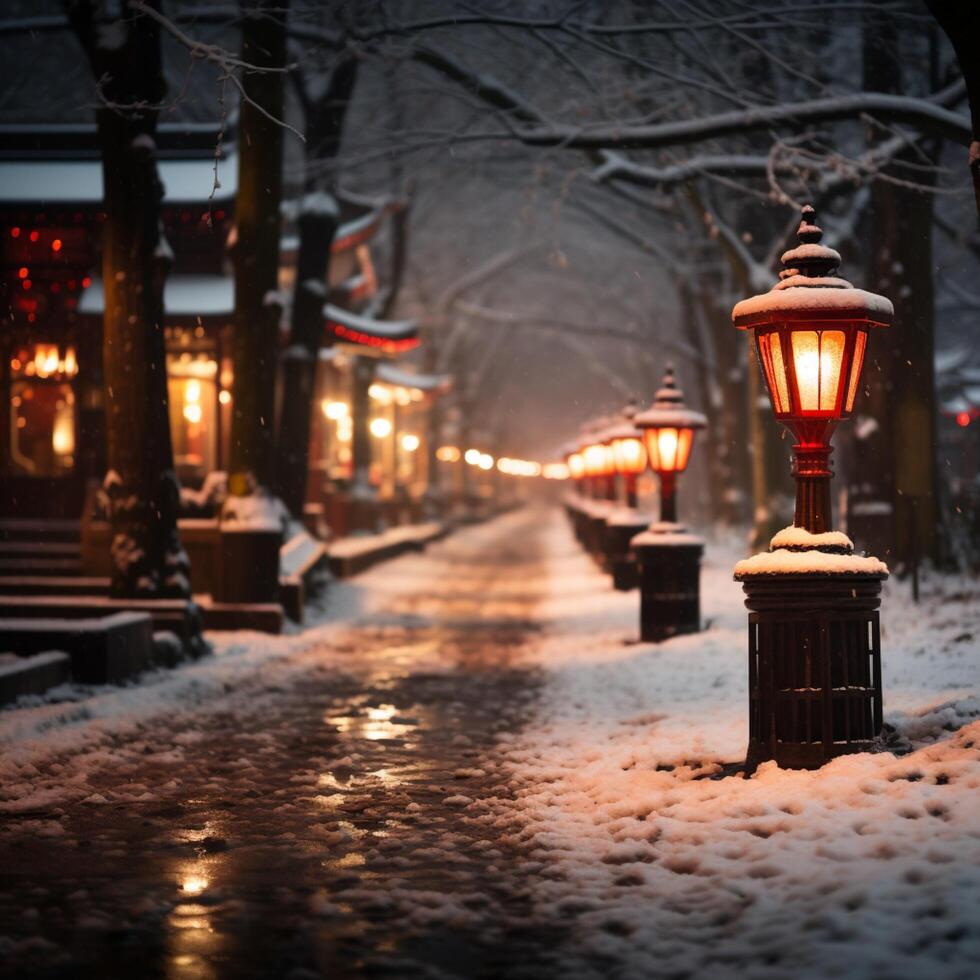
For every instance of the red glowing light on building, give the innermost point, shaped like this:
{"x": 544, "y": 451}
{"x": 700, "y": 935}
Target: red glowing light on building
{"x": 23, "y": 272}
{"x": 963, "y": 419}
{"x": 86, "y": 282}
{"x": 15, "y": 232}
{"x": 35, "y": 235}
{"x": 56, "y": 245}
{"x": 27, "y": 284}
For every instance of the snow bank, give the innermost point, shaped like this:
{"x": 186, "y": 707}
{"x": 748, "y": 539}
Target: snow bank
{"x": 664, "y": 863}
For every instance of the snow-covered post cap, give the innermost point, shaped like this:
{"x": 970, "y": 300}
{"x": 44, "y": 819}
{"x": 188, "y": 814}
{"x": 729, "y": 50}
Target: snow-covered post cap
{"x": 795, "y": 551}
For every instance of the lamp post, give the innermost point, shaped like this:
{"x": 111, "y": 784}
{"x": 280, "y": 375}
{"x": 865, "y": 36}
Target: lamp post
{"x": 629, "y": 459}
{"x": 814, "y": 639}
{"x": 597, "y": 460}
{"x": 667, "y": 555}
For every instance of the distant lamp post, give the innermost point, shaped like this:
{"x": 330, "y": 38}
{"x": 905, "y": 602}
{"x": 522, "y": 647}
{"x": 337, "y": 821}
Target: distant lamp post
{"x": 814, "y": 645}
{"x": 629, "y": 459}
{"x": 667, "y": 555}
{"x": 576, "y": 468}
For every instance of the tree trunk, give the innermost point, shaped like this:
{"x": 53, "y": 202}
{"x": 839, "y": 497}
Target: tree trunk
{"x": 959, "y": 22}
{"x": 318, "y": 223}
{"x": 141, "y": 485}
{"x": 894, "y": 490}
{"x": 256, "y": 250}
{"x": 317, "y": 226}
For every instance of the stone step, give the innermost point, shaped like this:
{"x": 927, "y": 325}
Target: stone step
{"x": 40, "y": 549}
{"x": 39, "y": 529}
{"x": 103, "y": 650}
{"x": 36, "y": 674}
{"x": 46, "y": 585}
{"x": 39, "y": 566}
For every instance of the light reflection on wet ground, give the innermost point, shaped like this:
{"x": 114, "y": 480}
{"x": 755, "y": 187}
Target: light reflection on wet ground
{"x": 344, "y": 827}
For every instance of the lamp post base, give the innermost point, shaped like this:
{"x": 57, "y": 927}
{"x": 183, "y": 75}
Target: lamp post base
{"x": 669, "y": 564}
{"x": 814, "y": 667}
{"x": 622, "y": 526}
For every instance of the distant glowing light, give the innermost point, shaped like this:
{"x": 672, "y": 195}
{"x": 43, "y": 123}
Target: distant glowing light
{"x": 34, "y": 236}
{"x": 380, "y": 394}
{"x": 472, "y": 456}
{"x": 963, "y": 419}
{"x": 448, "y": 454}
{"x": 380, "y": 428}
{"x": 410, "y": 443}
{"x": 192, "y": 412}
{"x": 15, "y": 232}
{"x": 334, "y": 410}
{"x": 56, "y": 245}
{"x": 224, "y": 396}
{"x": 23, "y": 272}
{"x": 486, "y": 461}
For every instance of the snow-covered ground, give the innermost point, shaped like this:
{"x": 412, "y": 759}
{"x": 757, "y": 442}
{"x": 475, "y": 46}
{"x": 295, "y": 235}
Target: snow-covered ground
{"x": 868, "y": 868}
{"x": 631, "y": 835}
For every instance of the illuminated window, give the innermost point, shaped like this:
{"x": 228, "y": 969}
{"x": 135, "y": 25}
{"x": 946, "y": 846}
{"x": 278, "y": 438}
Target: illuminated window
{"x": 42, "y": 410}
{"x": 192, "y": 389}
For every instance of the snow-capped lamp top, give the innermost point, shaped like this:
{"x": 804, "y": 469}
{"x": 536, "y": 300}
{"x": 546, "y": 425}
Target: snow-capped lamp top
{"x": 623, "y": 426}
{"x": 668, "y": 409}
{"x": 809, "y": 288}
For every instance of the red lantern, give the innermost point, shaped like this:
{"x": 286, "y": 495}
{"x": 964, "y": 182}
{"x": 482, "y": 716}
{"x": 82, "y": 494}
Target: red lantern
{"x": 629, "y": 458}
{"x": 811, "y": 334}
{"x": 668, "y": 427}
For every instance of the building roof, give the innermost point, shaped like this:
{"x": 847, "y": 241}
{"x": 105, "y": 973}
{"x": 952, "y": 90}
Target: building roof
{"x": 79, "y": 181}
{"x": 183, "y": 296}
{"x": 379, "y": 336}
{"x": 393, "y": 375}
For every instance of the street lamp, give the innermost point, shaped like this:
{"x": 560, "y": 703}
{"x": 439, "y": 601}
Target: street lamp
{"x": 629, "y": 460}
{"x": 667, "y": 555}
{"x": 814, "y": 636}
{"x": 668, "y": 427}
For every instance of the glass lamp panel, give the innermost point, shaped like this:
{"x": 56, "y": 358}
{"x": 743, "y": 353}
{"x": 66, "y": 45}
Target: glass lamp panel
{"x": 857, "y": 362}
{"x": 594, "y": 459}
{"x": 817, "y": 361}
{"x": 684, "y": 441}
{"x": 780, "y": 389}
{"x": 662, "y": 447}
{"x": 629, "y": 454}
{"x": 765, "y": 342}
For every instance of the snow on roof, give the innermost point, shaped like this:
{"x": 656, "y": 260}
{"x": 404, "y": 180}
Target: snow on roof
{"x": 183, "y": 295}
{"x": 80, "y": 181}
{"x": 390, "y": 374}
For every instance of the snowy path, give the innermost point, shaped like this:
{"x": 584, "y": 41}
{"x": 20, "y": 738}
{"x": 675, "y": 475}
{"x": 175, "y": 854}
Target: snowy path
{"x": 316, "y": 818}
{"x": 468, "y": 771}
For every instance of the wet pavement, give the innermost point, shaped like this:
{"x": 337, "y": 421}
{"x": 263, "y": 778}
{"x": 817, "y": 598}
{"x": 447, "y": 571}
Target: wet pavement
{"x": 333, "y": 823}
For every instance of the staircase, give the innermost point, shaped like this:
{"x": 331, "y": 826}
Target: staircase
{"x": 43, "y": 557}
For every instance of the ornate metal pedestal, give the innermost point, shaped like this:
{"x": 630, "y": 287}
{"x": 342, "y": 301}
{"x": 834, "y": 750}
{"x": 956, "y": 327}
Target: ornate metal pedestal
{"x": 669, "y": 562}
{"x": 814, "y": 667}
{"x": 621, "y": 527}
